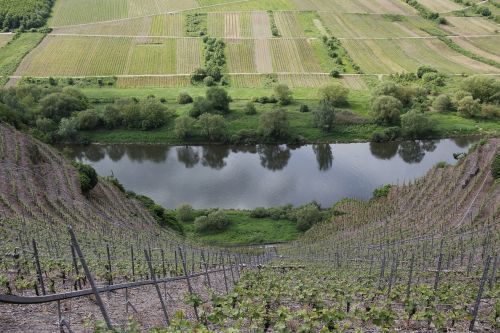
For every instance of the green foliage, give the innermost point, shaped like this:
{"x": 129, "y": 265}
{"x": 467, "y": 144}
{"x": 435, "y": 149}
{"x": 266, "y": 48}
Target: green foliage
{"x": 250, "y": 109}
{"x": 24, "y": 14}
{"x": 415, "y": 124}
{"x": 424, "y": 70}
{"x": 382, "y": 192}
{"x": 324, "y": 115}
{"x": 283, "y": 94}
{"x": 387, "y": 134}
{"x": 61, "y": 105}
{"x": 307, "y": 216}
{"x": 213, "y": 127}
{"x": 215, "y": 61}
{"x": 442, "y": 103}
{"x": 196, "y": 24}
{"x": 386, "y": 110}
{"x": 485, "y": 89}
{"x": 424, "y": 12}
{"x": 184, "y": 98}
{"x": 468, "y": 107}
{"x": 219, "y": 99}
{"x": 304, "y": 108}
{"x": 87, "y": 177}
{"x": 88, "y": 120}
{"x": 495, "y": 167}
{"x": 185, "y": 213}
{"x": 274, "y": 124}
{"x": 274, "y": 28}
{"x": 184, "y": 127}
{"x": 215, "y": 222}
{"x": 68, "y": 129}
{"x": 334, "y": 94}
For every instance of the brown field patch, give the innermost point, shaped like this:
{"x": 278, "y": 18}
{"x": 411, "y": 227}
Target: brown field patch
{"x": 263, "y": 58}
{"x": 261, "y": 26}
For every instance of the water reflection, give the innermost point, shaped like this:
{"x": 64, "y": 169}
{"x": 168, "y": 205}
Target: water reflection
{"x": 265, "y": 175}
{"x": 324, "y": 156}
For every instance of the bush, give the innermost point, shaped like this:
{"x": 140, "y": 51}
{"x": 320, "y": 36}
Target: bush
{"x": 87, "y": 177}
{"x": 245, "y": 137}
{"x": 274, "y": 124}
{"x": 184, "y": 126}
{"x": 213, "y": 127}
{"x": 425, "y": 69}
{"x": 184, "y": 98}
{"x": 250, "y": 109}
{"x": 185, "y": 213}
{"x": 469, "y": 107}
{"x": 209, "y": 81}
{"x": 484, "y": 88}
{"x": 442, "y": 103}
{"x": 215, "y": 222}
{"x": 88, "y": 120}
{"x": 283, "y": 94}
{"x": 415, "y": 124}
{"x": 219, "y": 99}
{"x": 259, "y": 213}
{"x": 307, "y": 216}
{"x": 334, "y": 94}
{"x": 324, "y": 116}
{"x": 200, "y": 106}
{"x": 490, "y": 111}
{"x": 382, "y": 192}
{"x": 335, "y": 74}
{"x": 386, "y": 110}
{"x": 386, "y": 135}
{"x": 304, "y": 108}
{"x": 495, "y": 167}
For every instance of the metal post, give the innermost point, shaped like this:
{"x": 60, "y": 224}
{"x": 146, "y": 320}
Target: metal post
{"x": 190, "y": 288}
{"x": 38, "y": 267}
{"x": 153, "y": 277}
{"x": 479, "y": 294}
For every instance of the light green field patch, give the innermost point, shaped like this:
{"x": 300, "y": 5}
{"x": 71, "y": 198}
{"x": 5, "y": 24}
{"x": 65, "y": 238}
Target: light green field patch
{"x": 293, "y": 56}
{"x": 470, "y": 26}
{"x": 487, "y": 47}
{"x": 441, "y": 6}
{"x": 356, "y": 6}
{"x": 406, "y": 55}
{"x": 5, "y": 38}
{"x": 288, "y": 24}
{"x": 131, "y": 27}
{"x": 154, "y": 58}
{"x": 374, "y": 26}
{"x": 241, "y": 56}
{"x": 171, "y": 25}
{"x": 250, "y": 5}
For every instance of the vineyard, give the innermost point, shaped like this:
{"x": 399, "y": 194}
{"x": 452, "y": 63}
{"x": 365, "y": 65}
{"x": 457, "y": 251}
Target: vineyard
{"x": 424, "y": 256}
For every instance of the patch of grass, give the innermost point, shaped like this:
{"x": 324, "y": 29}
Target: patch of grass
{"x": 306, "y": 20}
{"x": 246, "y": 230}
{"x": 15, "y": 50}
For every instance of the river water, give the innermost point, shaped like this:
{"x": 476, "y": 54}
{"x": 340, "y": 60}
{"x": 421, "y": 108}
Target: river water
{"x": 246, "y": 177}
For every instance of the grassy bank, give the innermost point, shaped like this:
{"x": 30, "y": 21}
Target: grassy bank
{"x": 244, "y": 229}
{"x": 353, "y": 122}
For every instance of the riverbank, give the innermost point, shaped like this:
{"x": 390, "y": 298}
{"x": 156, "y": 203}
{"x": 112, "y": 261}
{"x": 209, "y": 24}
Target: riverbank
{"x": 353, "y": 122}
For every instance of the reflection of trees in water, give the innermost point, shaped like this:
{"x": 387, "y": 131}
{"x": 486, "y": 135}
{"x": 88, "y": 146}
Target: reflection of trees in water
{"x": 274, "y": 157}
{"x": 384, "y": 150}
{"x": 213, "y": 156}
{"x": 95, "y": 153}
{"x": 188, "y": 155}
{"x": 324, "y": 156}
{"x": 115, "y": 152}
{"x": 414, "y": 151}
{"x": 154, "y": 153}
{"x": 244, "y": 149}
{"x": 464, "y": 141}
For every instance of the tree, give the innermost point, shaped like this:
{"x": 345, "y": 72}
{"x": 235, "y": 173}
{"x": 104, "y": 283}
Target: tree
{"x": 185, "y": 213}
{"x": 425, "y": 69}
{"x": 60, "y": 105}
{"x": 215, "y": 222}
{"x": 334, "y": 94}
{"x": 283, "y": 94}
{"x": 442, "y": 103}
{"x": 324, "y": 115}
{"x": 274, "y": 124}
{"x": 67, "y": 129}
{"x": 153, "y": 114}
{"x": 88, "y": 120}
{"x": 213, "y": 127}
{"x": 469, "y": 107}
{"x": 495, "y": 167}
{"x": 219, "y": 99}
{"x": 184, "y": 126}
{"x": 415, "y": 124}
{"x": 484, "y": 88}
{"x": 386, "y": 110}
{"x": 184, "y": 98}
{"x": 112, "y": 117}
{"x": 200, "y": 106}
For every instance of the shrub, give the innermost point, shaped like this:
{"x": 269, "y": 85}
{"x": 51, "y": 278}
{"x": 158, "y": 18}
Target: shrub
{"x": 215, "y": 222}
{"x": 250, "y": 109}
{"x": 469, "y": 107}
{"x": 382, "y": 192}
{"x": 259, "y": 213}
{"x": 335, "y": 73}
{"x": 490, "y": 111}
{"x": 495, "y": 167}
{"x": 200, "y": 106}
{"x": 415, "y": 124}
{"x": 184, "y": 126}
{"x": 219, "y": 99}
{"x": 483, "y": 88}
{"x": 184, "y": 98}
{"x": 153, "y": 114}
{"x": 307, "y": 216}
{"x": 245, "y": 136}
{"x": 283, "y": 94}
{"x": 334, "y": 94}
{"x": 209, "y": 81}
{"x": 87, "y": 177}
{"x": 425, "y": 69}
{"x": 88, "y": 120}
{"x": 304, "y": 108}
{"x": 185, "y": 213}
{"x": 274, "y": 124}
{"x": 324, "y": 116}
{"x": 67, "y": 129}
{"x": 386, "y": 110}
{"x": 442, "y": 103}
{"x": 213, "y": 127}
{"x": 386, "y": 135}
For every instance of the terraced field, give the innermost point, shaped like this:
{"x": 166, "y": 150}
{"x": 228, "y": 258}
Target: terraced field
{"x": 487, "y": 47}
{"x": 356, "y": 6}
{"x": 230, "y": 25}
{"x": 441, "y": 6}
{"x": 406, "y": 55}
{"x": 470, "y": 26}
{"x": 4, "y": 39}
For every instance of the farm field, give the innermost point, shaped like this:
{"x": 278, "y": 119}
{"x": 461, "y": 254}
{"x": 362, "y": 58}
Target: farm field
{"x": 4, "y": 39}
{"x": 441, "y": 6}
{"x": 406, "y": 55}
{"x": 470, "y": 26}
{"x": 488, "y": 47}
{"x": 356, "y": 6}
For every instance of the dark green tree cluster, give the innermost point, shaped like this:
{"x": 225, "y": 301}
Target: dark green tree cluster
{"x": 215, "y": 60}
{"x": 24, "y": 14}
{"x": 215, "y": 221}
{"x": 304, "y": 216}
{"x": 87, "y": 177}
